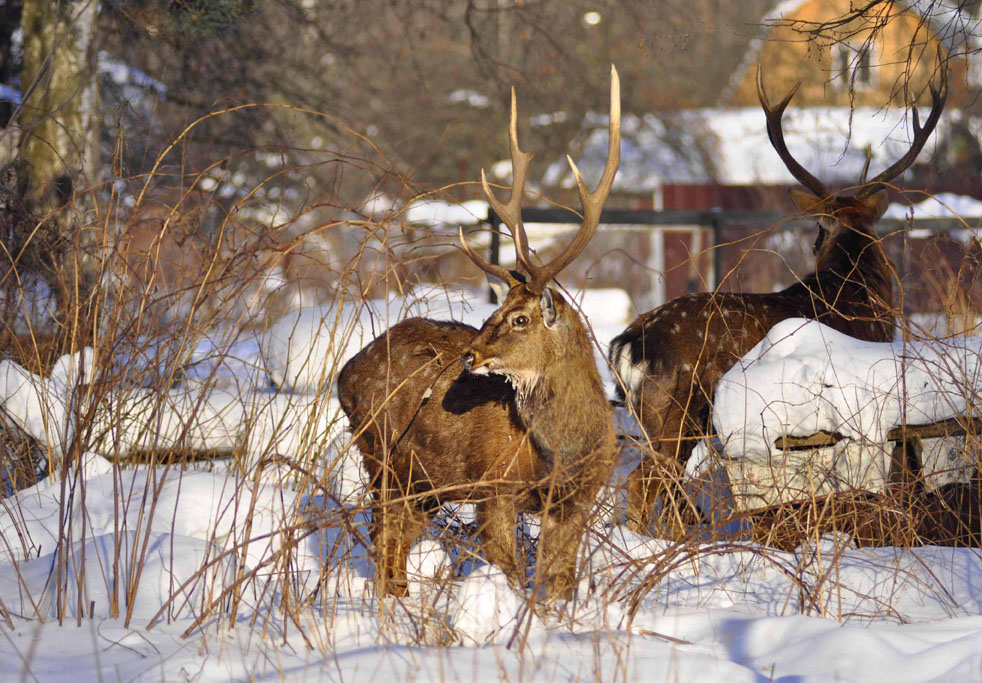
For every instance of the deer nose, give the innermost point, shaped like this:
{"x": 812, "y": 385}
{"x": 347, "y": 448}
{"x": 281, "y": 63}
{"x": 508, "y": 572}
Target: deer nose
{"x": 467, "y": 360}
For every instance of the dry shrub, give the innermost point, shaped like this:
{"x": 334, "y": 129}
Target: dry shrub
{"x": 177, "y": 267}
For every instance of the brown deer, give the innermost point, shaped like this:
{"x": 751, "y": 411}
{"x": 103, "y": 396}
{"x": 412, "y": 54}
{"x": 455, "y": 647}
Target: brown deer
{"x": 525, "y": 427}
{"x": 671, "y": 358}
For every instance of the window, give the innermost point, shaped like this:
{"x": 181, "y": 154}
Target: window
{"x": 852, "y": 66}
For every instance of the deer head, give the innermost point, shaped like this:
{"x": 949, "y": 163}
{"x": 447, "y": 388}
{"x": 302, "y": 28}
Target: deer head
{"x": 534, "y": 324}
{"x": 862, "y": 209}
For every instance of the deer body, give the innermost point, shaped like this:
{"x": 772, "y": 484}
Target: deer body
{"x": 523, "y": 426}
{"x": 671, "y": 358}
{"x": 478, "y": 438}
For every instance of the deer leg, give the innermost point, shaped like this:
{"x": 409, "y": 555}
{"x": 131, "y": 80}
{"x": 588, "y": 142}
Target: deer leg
{"x": 496, "y": 518}
{"x": 673, "y": 412}
{"x": 658, "y": 475}
{"x": 646, "y": 483}
{"x": 643, "y": 487}
{"x": 396, "y": 524}
{"x": 559, "y": 543}
{"x": 905, "y": 464}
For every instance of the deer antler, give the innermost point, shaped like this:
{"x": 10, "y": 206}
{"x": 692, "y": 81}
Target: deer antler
{"x": 776, "y": 136}
{"x": 593, "y": 203}
{"x": 938, "y": 97}
{"x": 511, "y": 213}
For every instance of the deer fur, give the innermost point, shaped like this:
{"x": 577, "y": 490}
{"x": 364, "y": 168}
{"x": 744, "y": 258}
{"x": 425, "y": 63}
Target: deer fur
{"x": 512, "y": 417}
{"x": 670, "y": 359}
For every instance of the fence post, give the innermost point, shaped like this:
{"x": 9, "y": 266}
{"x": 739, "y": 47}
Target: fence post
{"x": 494, "y": 251}
{"x": 717, "y": 269}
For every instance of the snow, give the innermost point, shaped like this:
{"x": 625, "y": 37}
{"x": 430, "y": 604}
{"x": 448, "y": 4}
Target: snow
{"x": 124, "y": 74}
{"x": 828, "y": 141}
{"x": 256, "y": 566}
{"x": 941, "y": 205}
{"x": 305, "y": 349}
{"x": 804, "y": 377}
{"x": 439, "y": 213}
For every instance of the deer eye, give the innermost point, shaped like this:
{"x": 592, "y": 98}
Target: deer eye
{"x": 520, "y": 321}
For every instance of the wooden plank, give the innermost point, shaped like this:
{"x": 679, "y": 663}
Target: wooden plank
{"x": 955, "y": 426}
{"x": 817, "y": 440}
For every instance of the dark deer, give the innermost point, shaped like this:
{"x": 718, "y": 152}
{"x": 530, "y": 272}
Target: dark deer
{"x": 671, "y": 358}
{"x": 525, "y": 427}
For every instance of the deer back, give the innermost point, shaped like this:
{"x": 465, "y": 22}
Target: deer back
{"x": 406, "y": 396}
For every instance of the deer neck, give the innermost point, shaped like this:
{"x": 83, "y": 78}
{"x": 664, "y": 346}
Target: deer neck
{"x": 856, "y": 255}
{"x": 565, "y": 410}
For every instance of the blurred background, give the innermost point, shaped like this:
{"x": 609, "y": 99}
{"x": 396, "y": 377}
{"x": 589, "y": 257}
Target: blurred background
{"x": 248, "y": 158}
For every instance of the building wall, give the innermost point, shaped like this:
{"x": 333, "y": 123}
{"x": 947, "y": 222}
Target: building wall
{"x": 790, "y": 54}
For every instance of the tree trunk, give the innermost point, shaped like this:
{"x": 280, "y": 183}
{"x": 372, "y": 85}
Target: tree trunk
{"x": 58, "y": 160}
{"x": 60, "y": 93}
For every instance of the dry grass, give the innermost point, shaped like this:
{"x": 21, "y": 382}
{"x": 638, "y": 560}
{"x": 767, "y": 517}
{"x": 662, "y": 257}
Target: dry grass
{"x": 144, "y": 311}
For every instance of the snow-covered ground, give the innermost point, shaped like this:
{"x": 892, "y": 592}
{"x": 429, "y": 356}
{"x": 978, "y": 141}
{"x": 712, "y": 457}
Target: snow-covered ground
{"x": 258, "y": 568}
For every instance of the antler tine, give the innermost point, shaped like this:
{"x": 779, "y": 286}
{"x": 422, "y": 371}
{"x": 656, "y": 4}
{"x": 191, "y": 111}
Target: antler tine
{"x": 921, "y": 135}
{"x": 776, "y": 136}
{"x": 511, "y": 213}
{"x": 869, "y": 157}
{"x": 593, "y": 202}
{"x": 499, "y": 272}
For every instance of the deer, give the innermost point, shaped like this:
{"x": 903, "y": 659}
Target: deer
{"x": 512, "y": 417}
{"x": 670, "y": 359}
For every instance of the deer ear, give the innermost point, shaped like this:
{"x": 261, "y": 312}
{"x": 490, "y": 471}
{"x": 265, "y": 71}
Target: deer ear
{"x": 499, "y": 287}
{"x": 548, "y": 307}
{"x": 806, "y": 202}
{"x": 879, "y": 203}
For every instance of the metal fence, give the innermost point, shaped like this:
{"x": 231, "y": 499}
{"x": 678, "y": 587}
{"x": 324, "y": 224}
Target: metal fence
{"x": 718, "y": 220}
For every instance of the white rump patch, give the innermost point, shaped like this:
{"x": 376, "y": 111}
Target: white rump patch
{"x": 632, "y": 374}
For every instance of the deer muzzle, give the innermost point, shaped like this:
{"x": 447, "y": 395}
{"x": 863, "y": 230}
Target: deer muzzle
{"x": 473, "y": 362}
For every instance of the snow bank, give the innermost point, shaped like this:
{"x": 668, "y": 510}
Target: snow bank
{"x": 305, "y": 349}
{"x": 804, "y": 377}
{"x": 165, "y": 574}
{"x": 194, "y": 417}
{"x": 179, "y": 526}
{"x": 646, "y": 608}
{"x": 120, "y": 420}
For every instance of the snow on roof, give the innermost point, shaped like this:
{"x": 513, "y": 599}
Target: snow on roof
{"x": 941, "y": 205}
{"x": 653, "y": 150}
{"x": 730, "y": 147}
